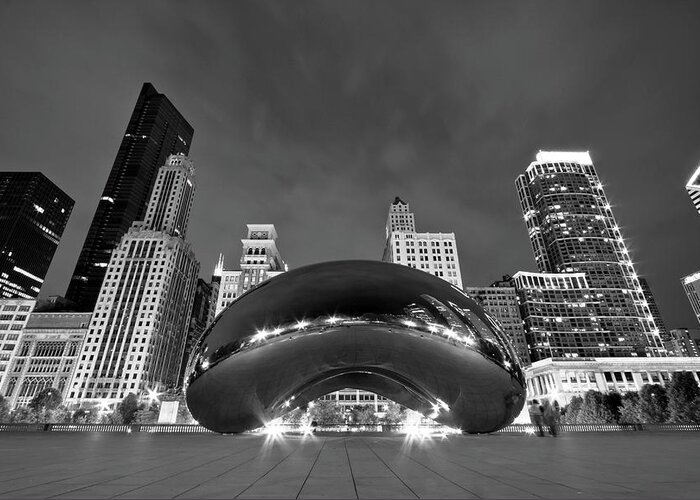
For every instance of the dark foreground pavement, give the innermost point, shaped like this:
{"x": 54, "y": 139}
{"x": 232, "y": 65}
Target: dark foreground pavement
{"x": 577, "y": 465}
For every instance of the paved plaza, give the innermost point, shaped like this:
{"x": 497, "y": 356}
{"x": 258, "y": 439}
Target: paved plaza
{"x": 142, "y": 465}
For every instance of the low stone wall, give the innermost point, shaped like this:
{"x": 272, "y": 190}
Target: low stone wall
{"x": 189, "y": 429}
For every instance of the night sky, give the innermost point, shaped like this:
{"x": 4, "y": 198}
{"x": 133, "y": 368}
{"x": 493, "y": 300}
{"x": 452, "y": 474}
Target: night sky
{"x": 315, "y": 115}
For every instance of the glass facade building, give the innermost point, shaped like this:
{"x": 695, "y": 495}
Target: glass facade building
{"x": 155, "y": 131}
{"x": 33, "y": 214}
{"x": 572, "y": 230}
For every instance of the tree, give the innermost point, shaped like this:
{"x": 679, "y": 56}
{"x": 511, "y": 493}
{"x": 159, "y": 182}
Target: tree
{"x": 87, "y": 415}
{"x": 682, "y": 393}
{"x": 363, "y": 415}
{"x": 594, "y": 410}
{"x": 147, "y": 415}
{"x": 127, "y": 408}
{"x": 45, "y": 402}
{"x": 630, "y": 409}
{"x": 572, "y": 410}
{"x": 4, "y": 410}
{"x": 294, "y": 417}
{"x": 613, "y": 402}
{"x": 653, "y": 404}
{"x": 327, "y": 413}
{"x": 24, "y": 415}
{"x": 394, "y": 413}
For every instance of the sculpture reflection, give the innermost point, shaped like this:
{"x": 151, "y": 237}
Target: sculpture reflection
{"x": 375, "y": 326}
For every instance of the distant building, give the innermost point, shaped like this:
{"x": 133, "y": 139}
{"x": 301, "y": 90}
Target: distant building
{"x": 433, "y": 253}
{"x": 46, "y": 357}
{"x": 684, "y": 342}
{"x": 14, "y": 314}
{"x": 561, "y": 379}
{"x": 155, "y": 131}
{"x": 138, "y": 331}
{"x": 200, "y": 319}
{"x": 502, "y": 303}
{"x": 693, "y": 188}
{"x": 691, "y": 285}
{"x": 654, "y": 308}
{"x": 573, "y": 232}
{"x": 33, "y": 214}
{"x": 260, "y": 261}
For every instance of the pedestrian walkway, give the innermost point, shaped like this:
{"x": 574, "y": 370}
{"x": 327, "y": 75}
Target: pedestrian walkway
{"x": 576, "y": 465}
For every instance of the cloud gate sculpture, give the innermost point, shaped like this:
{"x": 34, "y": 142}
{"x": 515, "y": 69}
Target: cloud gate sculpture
{"x": 385, "y": 328}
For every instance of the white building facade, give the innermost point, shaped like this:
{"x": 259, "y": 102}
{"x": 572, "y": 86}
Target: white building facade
{"x": 14, "y": 314}
{"x": 136, "y": 338}
{"x": 260, "y": 261}
{"x": 46, "y": 356}
{"x": 561, "y": 379}
{"x": 433, "y": 253}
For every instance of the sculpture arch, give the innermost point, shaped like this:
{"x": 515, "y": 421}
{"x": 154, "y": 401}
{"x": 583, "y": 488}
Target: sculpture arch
{"x": 385, "y": 328}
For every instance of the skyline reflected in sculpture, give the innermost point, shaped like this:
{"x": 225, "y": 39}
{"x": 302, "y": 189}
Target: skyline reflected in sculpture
{"x": 375, "y": 326}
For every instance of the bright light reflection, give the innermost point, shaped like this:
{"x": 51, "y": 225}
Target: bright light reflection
{"x": 332, "y": 320}
{"x": 302, "y": 324}
{"x": 153, "y": 396}
{"x": 411, "y": 324}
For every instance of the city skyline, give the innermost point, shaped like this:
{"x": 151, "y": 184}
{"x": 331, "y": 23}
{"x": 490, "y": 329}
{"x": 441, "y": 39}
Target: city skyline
{"x": 289, "y": 146}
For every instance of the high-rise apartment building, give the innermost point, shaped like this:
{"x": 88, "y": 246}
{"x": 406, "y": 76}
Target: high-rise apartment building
{"x": 260, "y": 261}
{"x": 14, "y": 314}
{"x": 155, "y": 131}
{"x": 654, "y": 308}
{"x": 434, "y": 253}
{"x": 46, "y": 357}
{"x": 33, "y": 214}
{"x": 572, "y": 230}
{"x": 691, "y": 285}
{"x": 501, "y": 302}
{"x": 693, "y": 188}
{"x": 137, "y": 333}
{"x": 564, "y": 318}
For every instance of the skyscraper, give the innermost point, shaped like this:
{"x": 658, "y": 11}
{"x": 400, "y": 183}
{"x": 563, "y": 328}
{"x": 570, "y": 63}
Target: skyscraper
{"x": 691, "y": 285}
{"x": 654, "y": 308}
{"x": 137, "y": 333}
{"x": 33, "y": 214}
{"x": 434, "y": 253}
{"x": 693, "y": 188}
{"x": 155, "y": 131}
{"x": 260, "y": 261}
{"x": 572, "y": 230}
{"x": 500, "y": 300}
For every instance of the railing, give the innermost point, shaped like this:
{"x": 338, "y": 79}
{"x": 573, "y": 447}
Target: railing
{"x": 383, "y": 428}
{"x": 531, "y": 429}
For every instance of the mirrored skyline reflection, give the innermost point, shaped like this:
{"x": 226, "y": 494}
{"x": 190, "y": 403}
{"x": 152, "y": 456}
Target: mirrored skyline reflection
{"x": 315, "y": 115}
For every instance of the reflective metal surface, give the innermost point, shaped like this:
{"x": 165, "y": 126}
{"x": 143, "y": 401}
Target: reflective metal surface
{"x": 386, "y": 328}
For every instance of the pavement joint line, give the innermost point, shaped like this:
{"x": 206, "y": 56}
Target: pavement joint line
{"x": 177, "y": 473}
{"x": 352, "y": 476}
{"x": 496, "y": 479}
{"x": 269, "y": 470}
{"x": 219, "y": 475}
{"x": 392, "y": 470}
{"x": 177, "y": 460}
{"x": 311, "y": 469}
{"x": 576, "y": 461}
{"x": 440, "y": 475}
